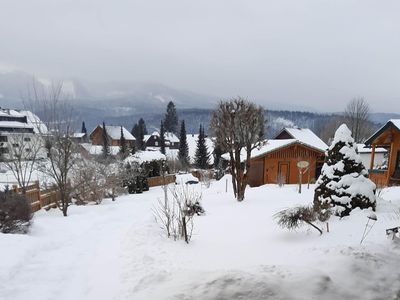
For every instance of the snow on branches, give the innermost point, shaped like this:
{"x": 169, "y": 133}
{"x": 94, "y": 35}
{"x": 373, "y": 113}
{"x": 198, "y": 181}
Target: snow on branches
{"x": 343, "y": 182}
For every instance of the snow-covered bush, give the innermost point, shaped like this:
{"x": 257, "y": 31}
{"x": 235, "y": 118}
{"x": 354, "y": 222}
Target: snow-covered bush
{"x": 15, "y": 213}
{"x": 175, "y": 215}
{"x": 88, "y": 182}
{"x": 135, "y": 178}
{"x": 343, "y": 182}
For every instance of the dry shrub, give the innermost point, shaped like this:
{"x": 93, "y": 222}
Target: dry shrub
{"x": 15, "y": 213}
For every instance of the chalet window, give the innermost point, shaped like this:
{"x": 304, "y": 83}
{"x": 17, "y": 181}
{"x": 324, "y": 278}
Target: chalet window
{"x": 3, "y": 139}
{"x": 27, "y": 139}
{"x": 15, "y": 145}
{"x": 28, "y": 150}
{"x": 156, "y": 143}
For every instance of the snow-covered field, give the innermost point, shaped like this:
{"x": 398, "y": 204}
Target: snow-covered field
{"x": 116, "y": 250}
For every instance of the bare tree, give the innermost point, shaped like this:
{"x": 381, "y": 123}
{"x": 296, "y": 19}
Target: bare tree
{"x": 357, "y": 118}
{"x": 238, "y": 126}
{"x": 329, "y": 128}
{"x": 62, "y": 154}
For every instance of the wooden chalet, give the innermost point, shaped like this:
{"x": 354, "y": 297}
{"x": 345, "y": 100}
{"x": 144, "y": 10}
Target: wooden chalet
{"x": 114, "y": 135}
{"x": 153, "y": 140}
{"x": 388, "y": 137}
{"x": 276, "y": 161}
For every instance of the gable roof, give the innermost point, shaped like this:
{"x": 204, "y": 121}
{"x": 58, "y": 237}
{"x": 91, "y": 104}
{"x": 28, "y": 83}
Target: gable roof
{"x": 169, "y": 136}
{"x": 395, "y": 123}
{"x": 114, "y": 132}
{"x": 306, "y": 136}
{"x": 268, "y": 147}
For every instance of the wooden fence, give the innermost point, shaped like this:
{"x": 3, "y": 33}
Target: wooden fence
{"x": 39, "y": 198}
{"x": 159, "y": 180}
{"x": 47, "y": 198}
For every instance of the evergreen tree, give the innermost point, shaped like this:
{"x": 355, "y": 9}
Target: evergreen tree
{"x": 138, "y": 131}
{"x": 106, "y": 144}
{"x": 343, "y": 182}
{"x": 183, "y": 152}
{"x": 162, "y": 138}
{"x": 135, "y": 130}
{"x": 140, "y": 139}
{"x": 83, "y": 128}
{"x": 201, "y": 156}
{"x": 123, "y": 147}
{"x": 142, "y": 124}
{"x": 171, "y": 118}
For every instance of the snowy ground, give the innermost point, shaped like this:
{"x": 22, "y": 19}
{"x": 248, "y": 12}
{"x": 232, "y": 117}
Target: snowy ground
{"x": 116, "y": 251}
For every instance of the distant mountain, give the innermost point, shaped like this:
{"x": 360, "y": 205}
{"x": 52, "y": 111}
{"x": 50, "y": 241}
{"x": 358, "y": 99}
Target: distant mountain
{"x": 123, "y": 103}
{"x": 116, "y": 98}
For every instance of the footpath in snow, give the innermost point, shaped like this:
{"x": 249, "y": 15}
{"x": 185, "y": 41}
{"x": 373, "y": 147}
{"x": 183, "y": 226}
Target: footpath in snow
{"x": 116, "y": 250}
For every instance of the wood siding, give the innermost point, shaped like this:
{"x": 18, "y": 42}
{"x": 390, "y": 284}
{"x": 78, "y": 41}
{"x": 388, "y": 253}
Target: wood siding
{"x": 390, "y": 139}
{"x": 268, "y": 168}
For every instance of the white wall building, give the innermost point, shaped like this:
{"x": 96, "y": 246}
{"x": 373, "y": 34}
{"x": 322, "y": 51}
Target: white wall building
{"x": 17, "y": 134}
{"x": 365, "y": 155}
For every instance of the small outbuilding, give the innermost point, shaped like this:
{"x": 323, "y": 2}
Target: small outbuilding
{"x": 276, "y": 161}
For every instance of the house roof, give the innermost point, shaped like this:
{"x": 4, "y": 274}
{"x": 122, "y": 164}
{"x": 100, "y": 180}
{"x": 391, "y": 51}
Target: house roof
{"x": 169, "y": 136}
{"x": 114, "y": 132}
{"x": 307, "y": 137}
{"x": 144, "y": 156}
{"x": 269, "y": 146}
{"x": 395, "y": 123}
{"x": 274, "y": 145}
{"x": 10, "y": 113}
{"x": 15, "y": 124}
{"x": 78, "y": 134}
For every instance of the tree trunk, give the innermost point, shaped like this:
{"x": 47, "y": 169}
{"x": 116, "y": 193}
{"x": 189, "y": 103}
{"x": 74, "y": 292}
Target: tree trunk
{"x": 233, "y": 173}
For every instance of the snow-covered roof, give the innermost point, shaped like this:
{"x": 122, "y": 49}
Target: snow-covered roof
{"x": 269, "y": 146}
{"x": 79, "y": 134}
{"x": 34, "y": 120}
{"x": 391, "y": 122}
{"x": 395, "y": 122}
{"x": 98, "y": 149}
{"x": 114, "y": 132}
{"x": 170, "y": 136}
{"x": 15, "y": 124}
{"x": 145, "y": 156}
{"x": 361, "y": 148}
{"x": 10, "y": 113}
{"x": 306, "y": 136}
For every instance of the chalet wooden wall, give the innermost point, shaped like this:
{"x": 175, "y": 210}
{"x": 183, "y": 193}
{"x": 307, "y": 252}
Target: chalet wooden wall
{"x": 390, "y": 138}
{"x": 266, "y": 169}
{"x": 97, "y": 136}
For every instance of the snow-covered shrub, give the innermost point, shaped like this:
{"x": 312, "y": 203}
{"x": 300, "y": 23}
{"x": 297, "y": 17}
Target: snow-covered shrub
{"x": 88, "y": 182}
{"x": 175, "y": 215}
{"x": 15, "y": 213}
{"x": 293, "y": 218}
{"x": 135, "y": 178}
{"x": 343, "y": 182}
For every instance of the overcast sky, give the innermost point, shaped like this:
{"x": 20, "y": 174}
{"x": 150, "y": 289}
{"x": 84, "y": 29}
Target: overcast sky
{"x": 314, "y": 53}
